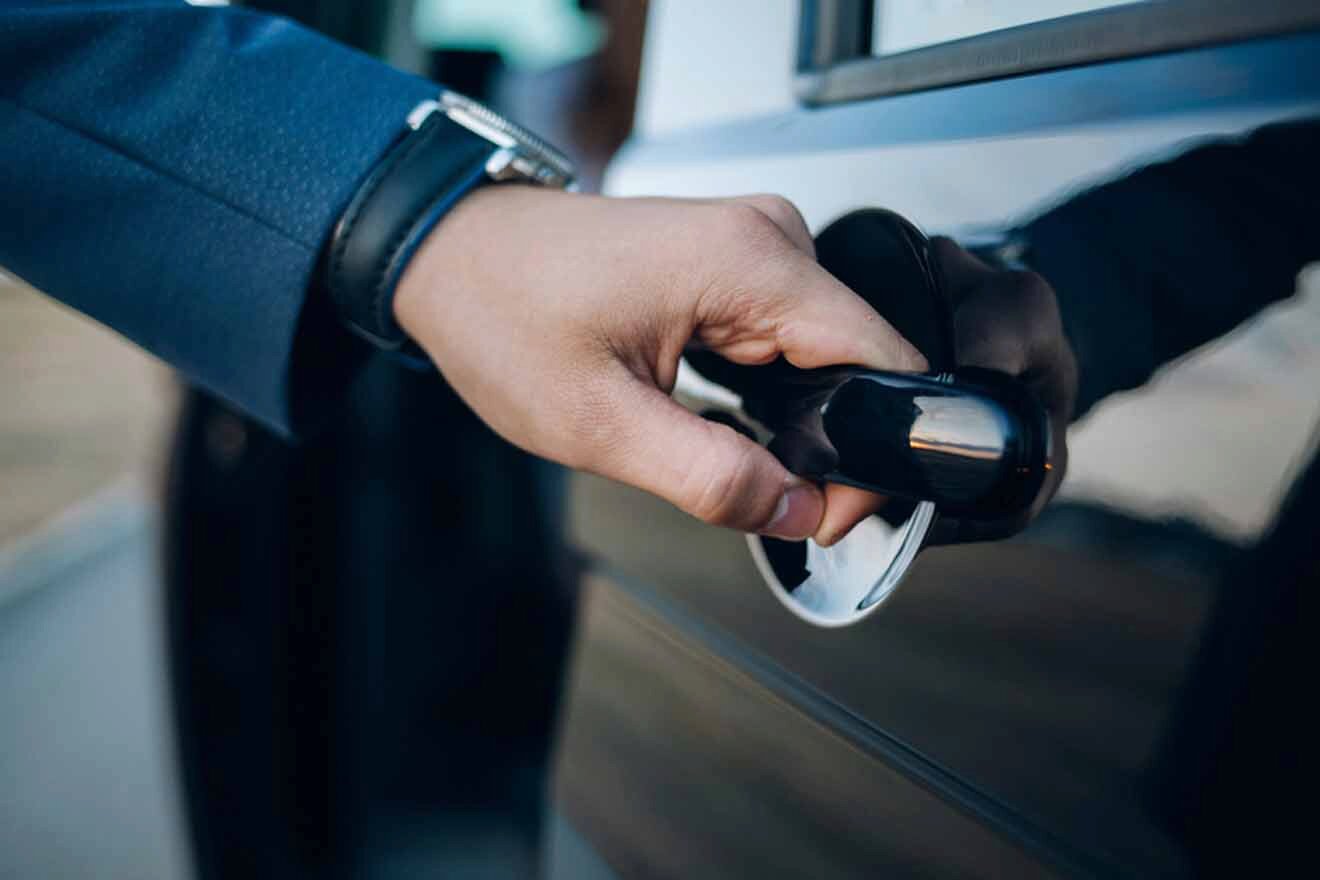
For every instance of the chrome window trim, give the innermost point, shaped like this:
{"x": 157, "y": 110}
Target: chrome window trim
{"x": 834, "y": 64}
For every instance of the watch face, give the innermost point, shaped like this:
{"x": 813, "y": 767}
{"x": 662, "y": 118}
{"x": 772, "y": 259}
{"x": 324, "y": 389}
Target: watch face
{"x": 522, "y": 154}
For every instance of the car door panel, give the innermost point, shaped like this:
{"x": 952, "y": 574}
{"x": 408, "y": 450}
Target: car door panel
{"x": 1046, "y": 676}
{"x": 1005, "y": 678}
{"x": 677, "y": 762}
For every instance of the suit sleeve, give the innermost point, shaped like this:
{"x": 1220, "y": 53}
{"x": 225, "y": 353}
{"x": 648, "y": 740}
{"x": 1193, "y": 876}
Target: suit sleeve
{"x": 1153, "y": 264}
{"x": 174, "y": 172}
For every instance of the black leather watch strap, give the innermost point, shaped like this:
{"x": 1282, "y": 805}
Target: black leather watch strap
{"x": 403, "y": 198}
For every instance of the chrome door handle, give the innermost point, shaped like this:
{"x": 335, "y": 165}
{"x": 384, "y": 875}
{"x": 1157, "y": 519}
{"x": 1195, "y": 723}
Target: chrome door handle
{"x": 975, "y": 443}
{"x": 967, "y": 444}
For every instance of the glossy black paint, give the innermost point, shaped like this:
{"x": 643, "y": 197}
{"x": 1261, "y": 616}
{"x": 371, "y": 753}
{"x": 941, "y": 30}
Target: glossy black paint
{"x": 1108, "y": 691}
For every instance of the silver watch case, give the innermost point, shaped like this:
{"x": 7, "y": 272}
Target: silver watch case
{"x": 521, "y": 155}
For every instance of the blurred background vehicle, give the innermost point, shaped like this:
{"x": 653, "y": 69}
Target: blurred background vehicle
{"x": 494, "y": 666}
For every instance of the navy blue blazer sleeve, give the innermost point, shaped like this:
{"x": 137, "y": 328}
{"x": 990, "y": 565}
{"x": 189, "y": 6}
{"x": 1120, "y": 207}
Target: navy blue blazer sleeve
{"x": 174, "y": 171}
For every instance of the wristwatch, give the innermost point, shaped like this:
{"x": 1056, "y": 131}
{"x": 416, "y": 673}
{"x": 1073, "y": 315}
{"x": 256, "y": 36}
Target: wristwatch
{"x": 450, "y": 145}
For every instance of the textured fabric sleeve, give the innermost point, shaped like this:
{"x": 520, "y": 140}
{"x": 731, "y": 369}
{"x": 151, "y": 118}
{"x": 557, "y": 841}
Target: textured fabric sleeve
{"x": 174, "y": 172}
{"x": 1155, "y": 263}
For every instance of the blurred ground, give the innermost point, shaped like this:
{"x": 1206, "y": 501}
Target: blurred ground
{"x": 88, "y": 775}
{"x": 87, "y": 767}
{"x": 80, "y": 408}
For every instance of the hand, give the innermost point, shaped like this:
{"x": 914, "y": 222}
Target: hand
{"x": 560, "y": 319}
{"x": 1003, "y": 320}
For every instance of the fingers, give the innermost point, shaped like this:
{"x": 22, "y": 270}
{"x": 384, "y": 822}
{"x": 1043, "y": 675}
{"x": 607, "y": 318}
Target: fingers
{"x": 845, "y": 507}
{"x": 1016, "y": 330}
{"x": 704, "y": 468}
{"x": 803, "y": 448}
{"x": 786, "y": 216}
{"x": 1010, "y": 321}
{"x": 824, "y": 323}
{"x": 785, "y": 304}
{"x": 789, "y": 306}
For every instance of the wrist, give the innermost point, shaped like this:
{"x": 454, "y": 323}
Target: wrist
{"x": 450, "y": 147}
{"x": 450, "y": 260}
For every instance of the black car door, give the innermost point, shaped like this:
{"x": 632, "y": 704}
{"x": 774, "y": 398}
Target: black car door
{"x": 1106, "y": 693}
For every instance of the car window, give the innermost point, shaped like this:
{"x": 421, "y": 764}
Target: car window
{"x": 900, "y": 25}
{"x": 853, "y": 49}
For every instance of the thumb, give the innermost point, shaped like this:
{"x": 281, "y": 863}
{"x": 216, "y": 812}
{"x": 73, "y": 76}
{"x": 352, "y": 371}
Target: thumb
{"x": 709, "y": 470}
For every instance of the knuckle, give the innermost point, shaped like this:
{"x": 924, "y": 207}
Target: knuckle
{"x": 748, "y": 226}
{"x": 780, "y": 209}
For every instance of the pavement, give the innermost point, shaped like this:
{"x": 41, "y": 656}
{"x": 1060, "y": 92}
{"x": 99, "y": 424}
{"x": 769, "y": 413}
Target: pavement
{"x": 88, "y": 777}
{"x": 89, "y": 784}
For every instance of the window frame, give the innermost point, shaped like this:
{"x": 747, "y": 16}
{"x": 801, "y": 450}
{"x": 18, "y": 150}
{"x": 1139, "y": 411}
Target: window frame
{"x": 835, "y": 64}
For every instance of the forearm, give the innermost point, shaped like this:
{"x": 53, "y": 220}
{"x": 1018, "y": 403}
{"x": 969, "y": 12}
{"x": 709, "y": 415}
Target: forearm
{"x": 174, "y": 172}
